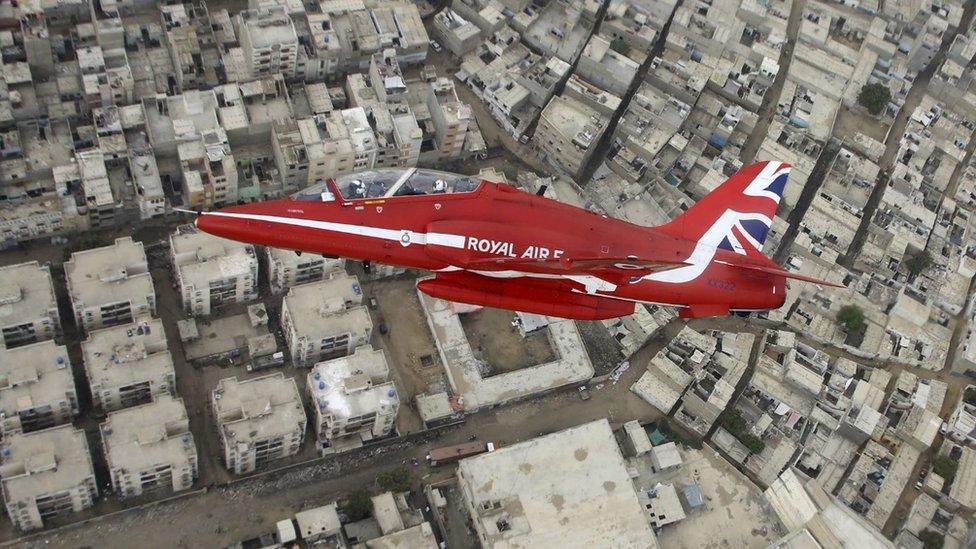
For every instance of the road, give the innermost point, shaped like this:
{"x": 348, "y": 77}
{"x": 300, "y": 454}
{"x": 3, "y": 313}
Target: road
{"x": 606, "y": 138}
{"x": 895, "y": 133}
{"x": 771, "y": 100}
{"x": 227, "y": 514}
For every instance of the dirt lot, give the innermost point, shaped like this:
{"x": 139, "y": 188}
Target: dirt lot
{"x": 415, "y": 365}
{"x": 849, "y": 122}
{"x": 735, "y": 510}
{"x": 495, "y": 341}
{"x": 603, "y": 349}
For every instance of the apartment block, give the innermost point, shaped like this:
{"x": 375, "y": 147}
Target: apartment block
{"x": 187, "y": 128}
{"x": 128, "y": 365}
{"x": 456, "y": 33}
{"x": 269, "y": 41}
{"x": 325, "y": 319}
{"x": 286, "y": 268}
{"x": 45, "y": 474}
{"x": 344, "y": 35}
{"x": 110, "y": 285}
{"x": 150, "y": 447}
{"x": 568, "y": 132}
{"x": 259, "y": 420}
{"x": 28, "y": 308}
{"x": 353, "y": 398}
{"x": 37, "y": 389}
{"x": 212, "y": 272}
{"x": 450, "y": 118}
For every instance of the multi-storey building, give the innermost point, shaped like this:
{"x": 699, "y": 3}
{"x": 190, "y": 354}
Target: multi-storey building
{"x": 37, "y": 389}
{"x": 269, "y": 41}
{"x": 110, "y": 285}
{"x": 45, "y": 474}
{"x": 568, "y": 133}
{"x": 353, "y": 398}
{"x": 325, "y": 319}
{"x": 28, "y": 308}
{"x": 128, "y": 365}
{"x": 324, "y": 146}
{"x": 260, "y": 420}
{"x": 150, "y": 447}
{"x": 450, "y": 118}
{"x": 187, "y": 127}
{"x": 344, "y": 35}
{"x": 212, "y": 272}
{"x": 286, "y": 268}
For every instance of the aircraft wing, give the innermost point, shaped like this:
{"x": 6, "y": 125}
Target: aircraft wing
{"x": 567, "y": 263}
{"x": 776, "y": 271}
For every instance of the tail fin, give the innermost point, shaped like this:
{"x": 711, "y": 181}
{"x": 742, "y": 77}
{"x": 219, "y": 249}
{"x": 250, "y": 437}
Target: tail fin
{"x": 736, "y": 216}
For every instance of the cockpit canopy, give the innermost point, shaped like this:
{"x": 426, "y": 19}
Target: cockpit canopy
{"x": 391, "y": 182}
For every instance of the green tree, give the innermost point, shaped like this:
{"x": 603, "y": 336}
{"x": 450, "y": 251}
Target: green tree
{"x": 918, "y": 263}
{"x": 394, "y": 480}
{"x": 358, "y": 505}
{"x": 874, "y": 97}
{"x": 620, "y": 46}
{"x": 734, "y": 423}
{"x": 931, "y": 540}
{"x": 852, "y": 318}
{"x": 970, "y": 395}
{"x": 945, "y": 467}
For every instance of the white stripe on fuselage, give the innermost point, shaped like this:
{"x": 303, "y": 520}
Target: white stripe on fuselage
{"x": 592, "y": 284}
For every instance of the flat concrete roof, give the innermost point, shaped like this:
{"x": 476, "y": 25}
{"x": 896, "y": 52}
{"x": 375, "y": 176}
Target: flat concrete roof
{"x": 110, "y": 274}
{"x": 44, "y": 462}
{"x": 221, "y": 335}
{"x": 258, "y": 408}
{"x": 122, "y": 355}
{"x": 201, "y": 258}
{"x": 567, "y": 489}
{"x": 808, "y": 506}
{"x": 269, "y": 26}
{"x": 386, "y": 513}
{"x": 571, "y": 365}
{"x": 141, "y": 437}
{"x": 26, "y": 293}
{"x": 328, "y": 307}
{"x": 434, "y": 407}
{"x": 420, "y": 536}
{"x": 34, "y": 375}
{"x": 354, "y": 385}
{"x": 318, "y": 521}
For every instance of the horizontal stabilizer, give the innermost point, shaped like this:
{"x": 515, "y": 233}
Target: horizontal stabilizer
{"x": 776, "y": 271}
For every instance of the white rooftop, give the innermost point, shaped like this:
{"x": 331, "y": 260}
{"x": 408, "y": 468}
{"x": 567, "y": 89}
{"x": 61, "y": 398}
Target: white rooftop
{"x": 152, "y": 434}
{"x": 44, "y": 462}
{"x": 109, "y": 274}
{"x": 354, "y": 385}
{"x": 567, "y": 489}
{"x": 326, "y": 307}
{"x": 258, "y": 408}
{"x": 26, "y": 293}
{"x": 34, "y": 375}
{"x": 123, "y": 355}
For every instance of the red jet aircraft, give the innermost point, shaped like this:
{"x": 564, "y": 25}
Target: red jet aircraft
{"x": 493, "y": 245}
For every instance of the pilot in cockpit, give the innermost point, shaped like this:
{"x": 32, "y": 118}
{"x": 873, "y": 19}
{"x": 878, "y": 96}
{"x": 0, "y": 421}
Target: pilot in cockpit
{"x": 358, "y": 188}
{"x": 440, "y": 186}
